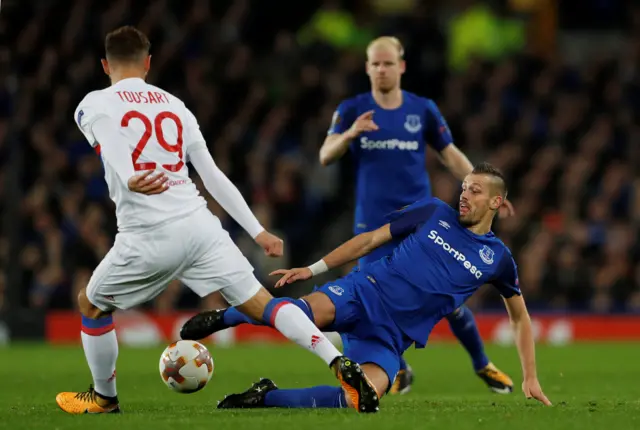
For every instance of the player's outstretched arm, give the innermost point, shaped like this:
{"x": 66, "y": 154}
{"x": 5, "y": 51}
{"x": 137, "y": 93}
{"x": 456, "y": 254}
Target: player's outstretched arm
{"x": 334, "y": 147}
{"x": 351, "y": 250}
{"x": 455, "y": 160}
{"x": 358, "y": 246}
{"x": 337, "y": 144}
{"x": 439, "y": 137}
{"x": 521, "y": 323}
{"x": 225, "y": 193}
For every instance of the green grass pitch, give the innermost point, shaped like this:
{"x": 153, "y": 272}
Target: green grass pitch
{"x": 593, "y": 386}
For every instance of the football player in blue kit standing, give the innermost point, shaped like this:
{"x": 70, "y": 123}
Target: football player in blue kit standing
{"x": 387, "y": 131}
{"x": 442, "y": 258}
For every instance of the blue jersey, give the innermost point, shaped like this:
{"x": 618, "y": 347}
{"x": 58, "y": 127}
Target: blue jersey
{"x": 390, "y": 162}
{"x": 438, "y": 265}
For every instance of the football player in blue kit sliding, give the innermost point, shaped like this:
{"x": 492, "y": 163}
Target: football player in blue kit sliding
{"x": 386, "y": 306}
{"x": 386, "y": 131}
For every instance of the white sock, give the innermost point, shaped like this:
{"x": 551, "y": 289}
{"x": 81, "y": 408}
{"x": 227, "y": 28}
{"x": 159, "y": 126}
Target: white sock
{"x": 292, "y": 322}
{"x": 102, "y": 352}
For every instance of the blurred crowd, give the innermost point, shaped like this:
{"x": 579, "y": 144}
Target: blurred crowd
{"x": 264, "y": 87}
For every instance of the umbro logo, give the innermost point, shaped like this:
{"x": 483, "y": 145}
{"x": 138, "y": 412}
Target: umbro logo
{"x": 444, "y": 224}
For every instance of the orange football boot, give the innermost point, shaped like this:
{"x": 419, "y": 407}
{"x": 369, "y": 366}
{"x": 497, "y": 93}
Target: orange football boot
{"x": 88, "y": 402}
{"x": 498, "y": 381}
{"x": 402, "y": 383}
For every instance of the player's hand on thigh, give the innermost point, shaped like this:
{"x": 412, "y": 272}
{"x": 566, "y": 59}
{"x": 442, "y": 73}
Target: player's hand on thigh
{"x": 273, "y": 246}
{"x": 532, "y": 390}
{"x": 290, "y": 276}
{"x": 148, "y": 183}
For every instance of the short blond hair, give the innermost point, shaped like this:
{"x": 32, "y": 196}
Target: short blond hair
{"x": 392, "y": 41}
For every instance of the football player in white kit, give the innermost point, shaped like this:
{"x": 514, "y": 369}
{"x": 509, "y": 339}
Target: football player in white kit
{"x": 145, "y": 137}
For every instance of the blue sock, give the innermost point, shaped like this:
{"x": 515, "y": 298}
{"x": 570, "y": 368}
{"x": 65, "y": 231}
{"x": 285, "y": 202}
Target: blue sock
{"x": 464, "y": 327}
{"x": 403, "y": 363}
{"x": 272, "y": 307}
{"x": 233, "y": 317}
{"x": 323, "y": 396}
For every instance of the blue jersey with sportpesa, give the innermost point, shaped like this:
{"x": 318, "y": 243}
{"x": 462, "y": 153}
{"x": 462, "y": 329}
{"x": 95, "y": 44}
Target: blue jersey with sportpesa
{"x": 437, "y": 267}
{"x": 388, "y": 305}
{"x": 390, "y": 162}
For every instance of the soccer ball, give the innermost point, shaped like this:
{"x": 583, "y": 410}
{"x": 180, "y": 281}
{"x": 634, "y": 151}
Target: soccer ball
{"x": 186, "y": 366}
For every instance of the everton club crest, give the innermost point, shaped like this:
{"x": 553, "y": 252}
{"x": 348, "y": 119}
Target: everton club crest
{"x": 486, "y": 254}
{"x": 413, "y": 124}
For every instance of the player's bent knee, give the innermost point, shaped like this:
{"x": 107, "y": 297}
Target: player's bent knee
{"x": 87, "y": 308}
{"x": 246, "y": 294}
{"x": 322, "y": 308}
{"x": 255, "y": 306}
{"x": 215, "y": 300}
{"x": 377, "y": 376}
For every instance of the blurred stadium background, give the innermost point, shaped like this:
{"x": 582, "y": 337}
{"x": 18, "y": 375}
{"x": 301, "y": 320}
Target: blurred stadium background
{"x": 548, "y": 90}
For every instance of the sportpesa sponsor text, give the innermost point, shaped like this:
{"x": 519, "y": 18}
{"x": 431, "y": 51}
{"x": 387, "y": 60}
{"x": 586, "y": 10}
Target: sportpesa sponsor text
{"x": 402, "y": 145}
{"x": 438, "y": 240}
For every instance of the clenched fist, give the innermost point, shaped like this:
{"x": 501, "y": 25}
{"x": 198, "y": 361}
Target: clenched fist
{"x": 273, "y": 246}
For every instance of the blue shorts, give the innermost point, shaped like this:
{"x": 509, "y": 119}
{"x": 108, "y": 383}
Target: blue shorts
{"x": 362, "y": 320}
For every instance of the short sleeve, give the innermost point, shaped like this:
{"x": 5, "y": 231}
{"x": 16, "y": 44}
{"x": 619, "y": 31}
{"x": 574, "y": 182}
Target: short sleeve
{"x": 437, "y": 132}
{"x": 89, "y": 110}
{"x": 194, "y": 140}
{"x": 406, "y": 220}
{"x": 343, "y": 118}
{"x": 507, "y": 281}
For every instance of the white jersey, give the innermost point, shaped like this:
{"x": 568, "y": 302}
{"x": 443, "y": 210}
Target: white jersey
{"x": 161, "y": 133}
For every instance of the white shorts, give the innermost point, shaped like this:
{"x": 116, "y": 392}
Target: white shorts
{"x": 196, "y": 250}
